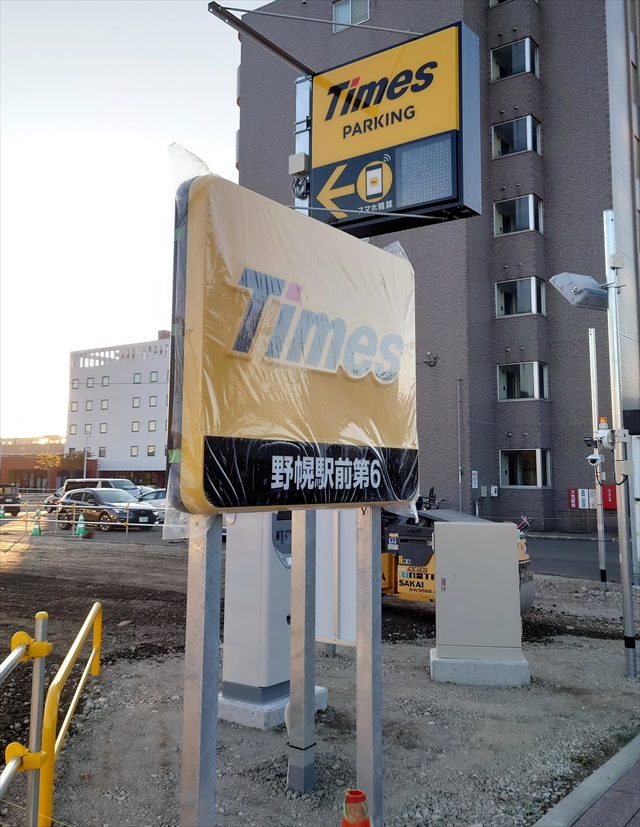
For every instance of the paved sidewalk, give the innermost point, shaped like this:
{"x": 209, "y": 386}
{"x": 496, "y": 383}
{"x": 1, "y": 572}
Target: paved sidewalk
{"x": 608, "y": 798}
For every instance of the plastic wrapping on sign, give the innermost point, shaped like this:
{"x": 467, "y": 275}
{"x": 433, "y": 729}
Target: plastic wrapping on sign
{"x": 293, "y": 360}
{"x": 184, "y": 166}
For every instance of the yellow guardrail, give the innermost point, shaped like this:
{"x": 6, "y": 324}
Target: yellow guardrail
{"x": 52, "y": 738}
{"x": 19, "y": 758}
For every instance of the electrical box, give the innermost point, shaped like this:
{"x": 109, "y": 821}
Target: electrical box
{"x": 494, "y": 490}
{"x": 299, "y": 164}
{"x": 477, "y": 583}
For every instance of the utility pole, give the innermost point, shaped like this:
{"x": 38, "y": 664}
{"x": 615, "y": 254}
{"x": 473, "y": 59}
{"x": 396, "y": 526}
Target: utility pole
{"x": 621, "y": 437}
{"x": 585, "y": 291}
{"x": 598, "y": 474}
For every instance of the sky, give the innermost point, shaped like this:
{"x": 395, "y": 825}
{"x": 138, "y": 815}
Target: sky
{"x": 92, "y": 93}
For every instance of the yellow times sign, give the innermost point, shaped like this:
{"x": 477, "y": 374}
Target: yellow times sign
{"x": 386, "y": 99}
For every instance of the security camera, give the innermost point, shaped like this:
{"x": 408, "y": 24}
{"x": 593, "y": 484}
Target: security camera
{"x": 594, "y": 459}
{"x": 590, "y": 442}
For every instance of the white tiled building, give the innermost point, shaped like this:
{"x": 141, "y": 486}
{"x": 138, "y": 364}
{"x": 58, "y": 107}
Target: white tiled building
{"x": 118, "y": 408}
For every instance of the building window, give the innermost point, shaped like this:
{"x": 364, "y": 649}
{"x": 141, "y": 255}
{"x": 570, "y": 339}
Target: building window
{"x": 347, "y": 12}
{"x": 153, "y": 401}
{"x": 525, "y": 468}
{"x": 88, "y": 406}
{"x": 136, "y": 401}
{"x": 151, "y": 450}
{"x": 520, "y": 296}
{"x": 105, "y": 381}
{"x": 493, "y": 3}
{"x": 73, "y": 429}
{"x": 137, "y": 378}
{"x": 514, "y": 59}
{"x": 87, "y": 429}
{"x": 74, "y": 406}
{"x": 521, "y": 135}
{"x": 134, "y": 450}
{"x": 152, "y": 424}
{"x": 526, "y": 380}
{"x": 75, "y": 383}
{"x": 72, "y": 451}
{"x": 517, "y": 215}
{"x": 135, "y": 425}
{"x": 90, "y": 382}
{"x": 103, "y": 427}
{"x": 153, "y": 376}
{"x": 102, "y": 452}
{"x": 104, "y": 404}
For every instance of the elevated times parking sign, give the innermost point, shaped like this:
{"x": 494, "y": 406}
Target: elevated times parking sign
{"x": 398, "y": 132}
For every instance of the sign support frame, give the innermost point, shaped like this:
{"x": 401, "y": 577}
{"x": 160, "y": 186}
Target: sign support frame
{"x": 301, "y": 767}
{"x": 369, "y": 660}
{"x": 201, "y": 673}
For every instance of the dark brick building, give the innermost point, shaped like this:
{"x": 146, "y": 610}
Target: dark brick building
{"x": 509, "y": 392}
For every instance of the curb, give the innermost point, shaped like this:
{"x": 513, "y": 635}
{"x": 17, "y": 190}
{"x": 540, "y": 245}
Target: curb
{"x": 569, "y": 810}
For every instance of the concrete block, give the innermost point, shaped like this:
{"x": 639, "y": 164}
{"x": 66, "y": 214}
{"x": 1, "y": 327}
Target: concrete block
{"x": 479, "y": 672}
{"x": 262, "y": 716}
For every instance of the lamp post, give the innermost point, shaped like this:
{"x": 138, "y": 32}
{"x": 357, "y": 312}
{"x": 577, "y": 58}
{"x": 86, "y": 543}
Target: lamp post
{"x": 84, "y": 468}
{"x": 584, "y": 291}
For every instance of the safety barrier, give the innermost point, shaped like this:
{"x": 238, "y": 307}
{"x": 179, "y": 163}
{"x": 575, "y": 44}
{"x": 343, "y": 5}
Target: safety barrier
{"x": 37, "y": 516}
{"x": 52, "y": 739}
{"x": 17, "y": 757}
{"x": 45, "y": 740}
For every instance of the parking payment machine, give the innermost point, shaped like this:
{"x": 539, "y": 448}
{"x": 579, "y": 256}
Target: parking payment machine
{"x": 256, "y": 612}
{"x": 257, "y": 639}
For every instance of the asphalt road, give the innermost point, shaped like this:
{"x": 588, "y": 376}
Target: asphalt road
{"x": 573, "y": 558}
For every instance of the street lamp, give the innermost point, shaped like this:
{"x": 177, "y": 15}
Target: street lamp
{"x": 84, "y": 468}
{"x": 584, "y": 291}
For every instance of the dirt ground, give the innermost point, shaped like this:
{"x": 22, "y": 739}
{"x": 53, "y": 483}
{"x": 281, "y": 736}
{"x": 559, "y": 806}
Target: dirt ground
{"x": 452, "y": 755}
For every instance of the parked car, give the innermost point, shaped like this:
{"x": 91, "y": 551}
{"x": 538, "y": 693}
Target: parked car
{"x": 100, "y": 482}
{"x": 105, "y": 508}
{"x": 10, "y": 499}
{"x": 158, "y": 499}
{"x": 52, "y": 500}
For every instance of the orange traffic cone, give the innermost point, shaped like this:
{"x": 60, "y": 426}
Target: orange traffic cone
{"x": 354, "y": 811}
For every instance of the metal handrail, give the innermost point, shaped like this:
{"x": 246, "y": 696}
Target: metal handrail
{"x": 17, "y": 757}
{"x": 11, "y": 661}
{"x": 52, "y": 738}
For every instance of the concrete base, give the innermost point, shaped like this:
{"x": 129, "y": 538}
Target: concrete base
{"x": 262, "y": 716}
{"x": 479, "y": 672}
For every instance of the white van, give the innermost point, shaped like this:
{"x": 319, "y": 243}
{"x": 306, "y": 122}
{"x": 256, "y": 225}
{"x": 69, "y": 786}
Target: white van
{"x": 124, "y": 485}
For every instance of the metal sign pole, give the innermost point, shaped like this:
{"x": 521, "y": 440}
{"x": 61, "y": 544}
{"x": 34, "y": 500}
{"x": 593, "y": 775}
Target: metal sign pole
{"x": 201, "y": 673}
{"x": 593, "y": 365}
{"x": 301, "y": 774}
{"x": 369, "y": 661}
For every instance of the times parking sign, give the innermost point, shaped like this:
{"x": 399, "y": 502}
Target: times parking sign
{"x": 395, "y": 136}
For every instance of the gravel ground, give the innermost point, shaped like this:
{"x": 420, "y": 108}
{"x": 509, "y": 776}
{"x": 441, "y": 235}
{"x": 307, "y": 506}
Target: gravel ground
{"x": 453, "y": 755}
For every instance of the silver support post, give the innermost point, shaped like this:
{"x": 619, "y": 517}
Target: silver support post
{"x": 459, "y": 447}
{"x": 593, "y": 367}
{"x": 201, "y": 673}
{"x": 35, "y": 721}
{"x": 620, "y": 449}
{"x": 302, "y": 741}
{"x": 369, "y": 661}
